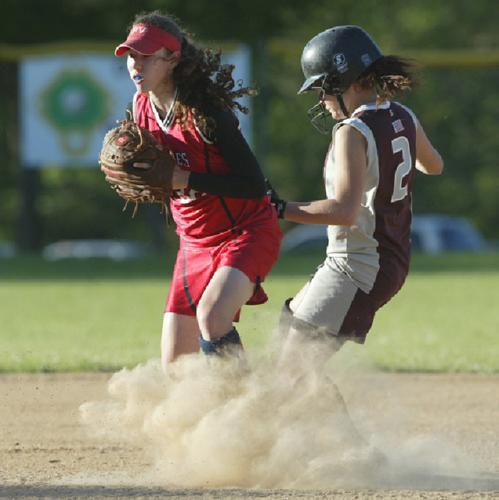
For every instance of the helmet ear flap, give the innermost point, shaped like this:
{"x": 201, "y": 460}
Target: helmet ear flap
{"x": 328, "y": 85}
{"x": 333, "y": 85}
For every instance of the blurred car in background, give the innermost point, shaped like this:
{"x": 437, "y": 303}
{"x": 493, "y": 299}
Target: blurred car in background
{"x": 7, "y": 250}
{"x": 431, "y": 234}
{"x": 85, "y": 249}
{"x": 442, "y": 233}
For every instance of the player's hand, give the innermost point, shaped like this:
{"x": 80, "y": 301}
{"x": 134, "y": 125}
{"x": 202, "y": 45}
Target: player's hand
{"x": 180, "y": 178}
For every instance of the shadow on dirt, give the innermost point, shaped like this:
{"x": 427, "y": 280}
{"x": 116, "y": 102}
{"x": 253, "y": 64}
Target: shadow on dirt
{"x": 398, "y": 486}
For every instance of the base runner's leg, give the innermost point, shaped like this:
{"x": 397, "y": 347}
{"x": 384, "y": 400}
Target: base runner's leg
{"x": 285, "y": 319}
{"x": 179, "y": 336}
{"x": 318, "y": 312}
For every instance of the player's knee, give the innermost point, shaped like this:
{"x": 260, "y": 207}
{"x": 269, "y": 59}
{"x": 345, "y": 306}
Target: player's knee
{"x": 230, "y": 343}
{"x": 307, "y": 332}
{"x": 212, "y": 320}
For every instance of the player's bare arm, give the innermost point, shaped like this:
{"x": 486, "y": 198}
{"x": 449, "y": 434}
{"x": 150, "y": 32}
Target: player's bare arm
{"x": 351, "y": 159}
{"x": 428, "y": 159}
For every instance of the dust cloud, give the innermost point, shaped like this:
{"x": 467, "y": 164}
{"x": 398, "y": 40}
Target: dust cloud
{"x": 215, "y": 422}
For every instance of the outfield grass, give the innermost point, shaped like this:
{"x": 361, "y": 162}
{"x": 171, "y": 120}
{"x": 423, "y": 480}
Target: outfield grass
{"x": 102, "y": 315}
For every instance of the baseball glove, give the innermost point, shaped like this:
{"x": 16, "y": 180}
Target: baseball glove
{"x": 151, "y": 180}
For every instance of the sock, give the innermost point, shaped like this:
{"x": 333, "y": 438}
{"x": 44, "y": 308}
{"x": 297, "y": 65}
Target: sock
{"x": 285, "y": 319}
{"x": 230, "y": 340}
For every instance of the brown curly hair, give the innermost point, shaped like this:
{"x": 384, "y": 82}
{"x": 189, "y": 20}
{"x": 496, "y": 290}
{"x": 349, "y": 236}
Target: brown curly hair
{"x": 389, "y": 76}
{"x": 202, "y": 81}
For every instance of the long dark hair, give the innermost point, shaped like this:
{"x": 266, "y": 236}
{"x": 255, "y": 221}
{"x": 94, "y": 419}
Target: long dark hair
{"x": 201, "y": 79}
{"x": 389, "y": 76}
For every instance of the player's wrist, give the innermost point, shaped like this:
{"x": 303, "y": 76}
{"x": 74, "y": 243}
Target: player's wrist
{"x": 280, "y": 206}
{"x": 275, "y": 200}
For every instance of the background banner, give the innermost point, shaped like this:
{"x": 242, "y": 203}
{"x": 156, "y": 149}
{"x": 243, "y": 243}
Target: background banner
{"x": 69, "y": 101}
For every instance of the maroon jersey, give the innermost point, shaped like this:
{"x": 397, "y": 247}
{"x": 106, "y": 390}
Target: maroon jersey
{"x": 202, "y": 219}
{"x": 375, "y": 251}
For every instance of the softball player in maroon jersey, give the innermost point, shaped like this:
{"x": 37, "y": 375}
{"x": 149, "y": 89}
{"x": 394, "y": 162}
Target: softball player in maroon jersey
{"x": 377, "y": 145}
{"x": 228, "y": 230}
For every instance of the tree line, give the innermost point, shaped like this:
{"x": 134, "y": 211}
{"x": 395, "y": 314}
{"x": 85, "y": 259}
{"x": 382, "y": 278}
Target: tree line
{"x": 457, "y": 101}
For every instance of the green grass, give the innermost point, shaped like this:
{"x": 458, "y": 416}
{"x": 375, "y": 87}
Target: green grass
{"x": 101, "y": 315}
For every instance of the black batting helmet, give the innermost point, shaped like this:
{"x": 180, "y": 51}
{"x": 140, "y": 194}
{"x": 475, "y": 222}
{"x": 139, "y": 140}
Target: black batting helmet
{"x": 335, "y": 58}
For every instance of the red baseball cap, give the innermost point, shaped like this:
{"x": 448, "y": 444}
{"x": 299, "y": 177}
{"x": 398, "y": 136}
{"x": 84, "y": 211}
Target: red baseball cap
{"x": 147, "y": 39}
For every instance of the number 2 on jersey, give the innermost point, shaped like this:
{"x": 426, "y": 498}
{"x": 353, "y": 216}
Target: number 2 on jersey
{"x": 401, "y": 145}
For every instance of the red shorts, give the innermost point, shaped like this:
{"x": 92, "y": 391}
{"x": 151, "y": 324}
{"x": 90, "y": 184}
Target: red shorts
{"x": 253, "y": 252}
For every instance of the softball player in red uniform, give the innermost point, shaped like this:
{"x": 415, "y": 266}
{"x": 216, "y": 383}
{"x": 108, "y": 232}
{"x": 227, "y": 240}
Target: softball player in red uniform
{"x": 228, "y": 230}
{"x": 377, "y": 145}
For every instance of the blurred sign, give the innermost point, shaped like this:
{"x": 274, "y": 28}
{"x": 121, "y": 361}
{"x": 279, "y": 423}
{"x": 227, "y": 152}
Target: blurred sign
{"x": 69, "y": 101}
{"x": 241, "y": 59}
{"x": 67, "y": 104}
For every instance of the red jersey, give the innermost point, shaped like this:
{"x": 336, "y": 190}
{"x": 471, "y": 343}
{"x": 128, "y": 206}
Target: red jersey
{"x": 202, "y": 219}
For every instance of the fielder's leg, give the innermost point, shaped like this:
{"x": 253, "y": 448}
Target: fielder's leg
{"x": 227, "y": 292}
{"x": 225, "y": 344}
{"x": 179, "y": 336}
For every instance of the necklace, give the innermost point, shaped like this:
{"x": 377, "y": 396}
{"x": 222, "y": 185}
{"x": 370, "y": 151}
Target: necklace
{"x": 170, "y": 113}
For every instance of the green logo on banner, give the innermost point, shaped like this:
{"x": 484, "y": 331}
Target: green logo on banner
{"x": 75, "y": 104}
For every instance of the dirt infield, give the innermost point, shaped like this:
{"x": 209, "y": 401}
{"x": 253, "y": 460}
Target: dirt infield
{"x": 46, "y": 452}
